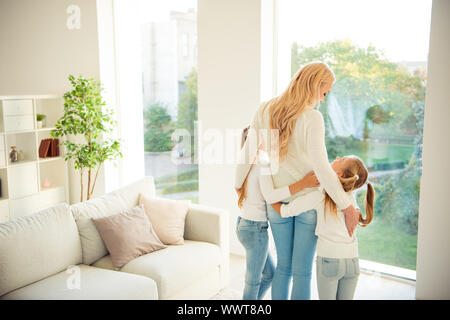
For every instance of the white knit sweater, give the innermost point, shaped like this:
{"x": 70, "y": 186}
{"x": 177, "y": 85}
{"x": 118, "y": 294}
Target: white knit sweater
{"x": 333, "y": 238}
{"x": 258, "y": 192}
{"x": 306, "y": 152}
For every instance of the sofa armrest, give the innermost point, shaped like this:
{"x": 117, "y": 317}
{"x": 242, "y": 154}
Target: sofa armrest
{"x": 209, "y": 224}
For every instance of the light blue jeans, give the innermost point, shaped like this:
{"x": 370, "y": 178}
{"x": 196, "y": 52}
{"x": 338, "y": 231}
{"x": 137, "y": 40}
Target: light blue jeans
{"x": 259, "y": 264}
{"x": 295, "y": 244}
{"x": 337, "y": 278}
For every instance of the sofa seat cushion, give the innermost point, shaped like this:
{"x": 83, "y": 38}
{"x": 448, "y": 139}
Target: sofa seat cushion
{"x": 174, "y": 267}
{"x": 94, "y": 284}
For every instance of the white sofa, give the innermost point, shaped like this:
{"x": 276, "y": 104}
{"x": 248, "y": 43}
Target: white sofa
{"x": 58, "y": 254}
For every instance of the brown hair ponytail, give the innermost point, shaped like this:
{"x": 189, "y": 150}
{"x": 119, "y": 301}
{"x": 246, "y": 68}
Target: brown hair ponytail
{"x": 368, "y": 205}
{"x": 348, "y": 184}
{"x": 354, "y": 177}
{"x": 242, "y": 193}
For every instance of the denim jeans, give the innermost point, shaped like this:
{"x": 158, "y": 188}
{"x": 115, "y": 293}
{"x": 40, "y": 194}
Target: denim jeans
{"x": 259, "y": 264}
{"x": 295, "y": 244}
{"x": 337, "y": 278}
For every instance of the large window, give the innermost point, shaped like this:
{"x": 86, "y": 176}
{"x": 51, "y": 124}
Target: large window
{"x": 378, "y": 51}
{"x": 169, "y": 86}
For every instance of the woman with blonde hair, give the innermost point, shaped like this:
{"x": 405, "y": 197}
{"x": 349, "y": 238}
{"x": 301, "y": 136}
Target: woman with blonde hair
{"x": 337, "y": 253}
{"x": 252, "y": 225}
{"x": 299, "y": 147}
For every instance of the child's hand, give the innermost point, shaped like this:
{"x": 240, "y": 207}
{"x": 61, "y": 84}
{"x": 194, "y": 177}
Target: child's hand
{"x": 262, "y": 145}
{"x": 277, "y": 207}
{"x": 310, "y": 180}
{"x": 351, "y": 216}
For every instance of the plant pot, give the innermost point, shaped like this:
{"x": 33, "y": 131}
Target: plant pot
{"x": 40, "y": 124}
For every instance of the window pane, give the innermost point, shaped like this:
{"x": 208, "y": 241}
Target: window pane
{"x": 375, "y": 108}
{"x": 169, "y": 84}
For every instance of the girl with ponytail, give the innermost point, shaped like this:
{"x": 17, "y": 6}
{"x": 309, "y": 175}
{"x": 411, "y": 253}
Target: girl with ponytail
{"x": 337, "y": 252}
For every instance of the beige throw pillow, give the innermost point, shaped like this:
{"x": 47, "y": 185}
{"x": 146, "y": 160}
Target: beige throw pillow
{"x": 167, "y": 217}
{"x": 128, "y": 235}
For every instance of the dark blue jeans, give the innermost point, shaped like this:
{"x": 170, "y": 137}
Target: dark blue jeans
{"x": 259, "y": 265}
{"x": 295, "y": 244}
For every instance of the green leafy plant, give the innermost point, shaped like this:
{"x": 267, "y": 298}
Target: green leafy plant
{"x": 158, "y": 129}
{"x": 85, "y": 116}
{"x": 40, "y": 116}
{"x": 188, "y": 110}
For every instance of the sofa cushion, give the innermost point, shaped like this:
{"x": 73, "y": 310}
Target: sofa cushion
{"x": 109, "y": 204}
{"x": 167, "y": 217}
{"x": 173, "y": 268}
{"x": 37, "y": 246}
{"x": 88, "y": 283}
{"x": 128, "y": 235}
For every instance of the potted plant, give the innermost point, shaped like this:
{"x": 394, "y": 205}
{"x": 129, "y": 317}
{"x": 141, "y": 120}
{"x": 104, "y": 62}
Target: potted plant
{"x": 40, "y": 117}
{"x": 85, "y": 116}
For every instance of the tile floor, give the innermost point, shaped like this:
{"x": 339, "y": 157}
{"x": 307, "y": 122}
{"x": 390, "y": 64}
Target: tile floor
{"x": 371, "y": 286}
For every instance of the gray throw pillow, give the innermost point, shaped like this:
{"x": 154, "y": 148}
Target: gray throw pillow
{"x": 128, "y": 235}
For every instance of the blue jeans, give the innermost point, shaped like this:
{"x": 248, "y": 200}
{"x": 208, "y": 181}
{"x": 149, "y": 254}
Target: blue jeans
{"x": 337, "y": 278}
{"x": 295, "y": 244}
{"x": 259, "y": 265}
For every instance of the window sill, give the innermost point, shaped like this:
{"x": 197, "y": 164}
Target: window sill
{"x": 395, "y": 273}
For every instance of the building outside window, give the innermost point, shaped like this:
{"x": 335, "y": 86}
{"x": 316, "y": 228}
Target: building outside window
{"x": 169, "y": 86}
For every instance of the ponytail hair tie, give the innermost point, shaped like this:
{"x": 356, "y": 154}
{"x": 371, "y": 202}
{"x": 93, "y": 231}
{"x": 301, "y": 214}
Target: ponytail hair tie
{"x": 357, "y": 177}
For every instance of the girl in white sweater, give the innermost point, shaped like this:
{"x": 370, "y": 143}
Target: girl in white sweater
{"x": 337, "y": 253}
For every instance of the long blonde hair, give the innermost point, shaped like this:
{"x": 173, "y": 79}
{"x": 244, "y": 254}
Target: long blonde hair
{"x": 302, "y": 93}
{"x": 354, "y": 176}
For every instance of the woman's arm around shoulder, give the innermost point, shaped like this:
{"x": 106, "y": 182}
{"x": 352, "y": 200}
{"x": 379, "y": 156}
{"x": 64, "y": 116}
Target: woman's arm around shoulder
{"x": 317, "y": 152}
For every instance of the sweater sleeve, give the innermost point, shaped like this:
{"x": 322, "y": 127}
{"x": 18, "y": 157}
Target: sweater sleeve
{"x": 301, "y": 204}
{"x": 247, "y": 154}
{"x": 317, "y": 153}
{"x": 269, "y": 192}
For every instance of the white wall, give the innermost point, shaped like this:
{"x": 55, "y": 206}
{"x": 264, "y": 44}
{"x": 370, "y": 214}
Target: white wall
{"x": 229, "y": 82}
{"x": 38, "y": 52}
{"x": 433, "y": 254}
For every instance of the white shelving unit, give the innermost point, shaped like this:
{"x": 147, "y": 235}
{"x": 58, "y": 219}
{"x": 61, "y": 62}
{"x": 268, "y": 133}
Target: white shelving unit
{"x": 22, "y": 191}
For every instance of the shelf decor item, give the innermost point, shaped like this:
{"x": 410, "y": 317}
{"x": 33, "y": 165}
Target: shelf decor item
{"x": 85, "y": 116}
{"x": 40, "y": 120}
{"x": 49, "y": 148}
{"x": 20, "y": 155}
{"x": 54, "y": 148}
{"x": 46, "y": 183}
{"x": 14, "y": 155}
{"x": 44, "y": 147}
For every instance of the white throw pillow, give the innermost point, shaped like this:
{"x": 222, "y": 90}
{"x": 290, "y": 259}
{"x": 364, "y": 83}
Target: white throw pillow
{"x": 167, "y": 217}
